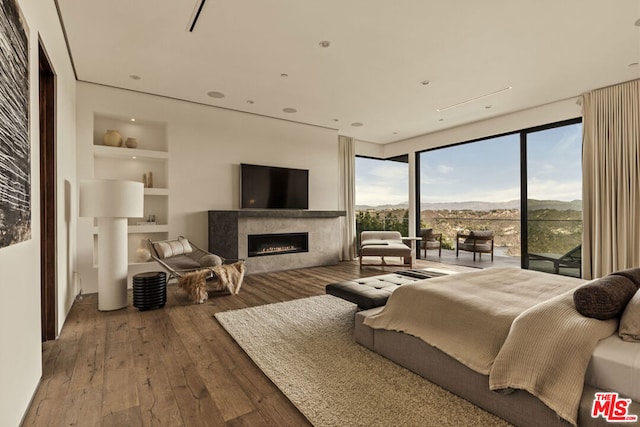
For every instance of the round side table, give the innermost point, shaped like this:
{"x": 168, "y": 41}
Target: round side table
{"x": 150, "y": 290}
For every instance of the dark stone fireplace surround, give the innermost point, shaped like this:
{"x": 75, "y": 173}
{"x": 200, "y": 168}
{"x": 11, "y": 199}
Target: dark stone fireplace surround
{"x": 229, "y": 232}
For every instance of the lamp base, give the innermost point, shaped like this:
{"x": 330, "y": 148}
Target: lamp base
{"x": 112, "y": 264}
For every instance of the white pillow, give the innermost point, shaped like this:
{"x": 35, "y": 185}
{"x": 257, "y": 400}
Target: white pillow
{"x": 629, "y": 329}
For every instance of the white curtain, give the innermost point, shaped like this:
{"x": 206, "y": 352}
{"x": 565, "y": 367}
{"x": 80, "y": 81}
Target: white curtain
{"x": 347, "y": 196}
{"x": 611, "y": 179}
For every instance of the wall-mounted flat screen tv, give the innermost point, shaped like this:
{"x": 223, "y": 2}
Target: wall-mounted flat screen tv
{"x": 269, "y": 187}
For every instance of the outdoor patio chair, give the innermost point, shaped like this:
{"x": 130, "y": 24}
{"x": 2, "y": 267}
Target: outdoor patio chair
{"x": 430, "y": 240}
{"x": 477, "y": 242}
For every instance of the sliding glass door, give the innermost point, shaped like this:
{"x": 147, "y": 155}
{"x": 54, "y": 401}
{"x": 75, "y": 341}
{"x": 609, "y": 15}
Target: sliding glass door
{"x": 554, "y": 199}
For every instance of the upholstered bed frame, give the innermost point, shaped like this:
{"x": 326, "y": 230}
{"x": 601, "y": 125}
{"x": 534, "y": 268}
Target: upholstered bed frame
{"x": 519, "y": 408}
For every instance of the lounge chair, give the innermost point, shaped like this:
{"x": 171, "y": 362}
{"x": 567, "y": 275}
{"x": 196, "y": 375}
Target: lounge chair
{"x": 384, "y": 243}
{"x": 571, "y": 259}
{"x": 180, "y": 256}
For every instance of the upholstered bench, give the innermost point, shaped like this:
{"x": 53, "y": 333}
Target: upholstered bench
{"x": 370, "y": 292}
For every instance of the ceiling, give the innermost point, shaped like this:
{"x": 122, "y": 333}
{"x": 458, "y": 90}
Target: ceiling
{"x": 392, "y": 70}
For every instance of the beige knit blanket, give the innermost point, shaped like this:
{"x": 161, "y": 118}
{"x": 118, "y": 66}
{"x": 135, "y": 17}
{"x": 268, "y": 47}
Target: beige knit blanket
{"x": 468, "y": 315}
{"x": 547, "y": 353}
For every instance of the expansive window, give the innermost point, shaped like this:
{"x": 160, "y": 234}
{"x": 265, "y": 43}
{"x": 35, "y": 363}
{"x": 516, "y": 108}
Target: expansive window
{"x": 525, "y": 186}
{"x": 473, "y": 186}
{"x": 382, "y": 194}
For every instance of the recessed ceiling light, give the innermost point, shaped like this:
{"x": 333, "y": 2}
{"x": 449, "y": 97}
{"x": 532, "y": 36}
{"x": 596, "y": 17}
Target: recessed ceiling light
{"x": 215, "y": 94}
{"x": 356, "y": 124}
{"x": 134, "y": 157}
{"x": 336, "y": 120}
{"x": 325, "y": 43}
{"x": 133, "y": 119}
{"x": 425, "y": 82}
{"x": 134, "y": 77}
{"x": 284, "y": 75}
{"x": 250, "y": 101}
{"x": 633, "y": 64}
{"x": 395, "y": 133}
{"x": 488, "y": 107}
{"x": 441, "y": 120}
{"x": 289, "y": 110}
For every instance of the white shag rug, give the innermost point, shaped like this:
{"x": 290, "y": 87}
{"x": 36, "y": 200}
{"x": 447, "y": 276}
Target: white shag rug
{"x": 306, "y": 348}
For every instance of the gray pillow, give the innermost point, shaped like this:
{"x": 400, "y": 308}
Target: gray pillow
{"x": 604, "y": 298}
{"x": 210, "y": 260}
{"x": 632, "y": 274}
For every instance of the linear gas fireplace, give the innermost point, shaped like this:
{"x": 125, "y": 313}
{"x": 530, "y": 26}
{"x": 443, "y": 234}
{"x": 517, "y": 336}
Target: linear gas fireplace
{"x": 277, "y": 244}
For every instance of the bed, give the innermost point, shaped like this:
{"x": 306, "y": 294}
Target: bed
{"x": 510, "y": 341}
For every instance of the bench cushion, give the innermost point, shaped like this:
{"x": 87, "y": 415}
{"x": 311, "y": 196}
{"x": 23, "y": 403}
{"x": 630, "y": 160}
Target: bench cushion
{"x": 390, "y": 249}
{"x": 370, "y": 292}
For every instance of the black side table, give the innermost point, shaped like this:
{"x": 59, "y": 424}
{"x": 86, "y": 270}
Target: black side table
{"x": 150, "y": 290}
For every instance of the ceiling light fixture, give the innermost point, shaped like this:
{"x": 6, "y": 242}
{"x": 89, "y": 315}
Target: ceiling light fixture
{"x": 134, "y": 77}
{"x": 284, "y": 75}
{"x": 133, "y": 119}
{"x": 474, "y": 99}
{"x": 215, "y": 94}
{"x": 289, "y": 110}
{"x": 356, "y": 124}
{"x": 250, "y": 101}
{"x": 325, "y": 43}
{"x": 196, "y": 14}
{"x": 425, "y": 82}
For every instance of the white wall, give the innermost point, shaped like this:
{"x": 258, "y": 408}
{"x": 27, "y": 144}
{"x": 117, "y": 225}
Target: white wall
{"x": 545, "y": 114}
{"x": 206, "y": 147}
{"x": 20, "y": 357}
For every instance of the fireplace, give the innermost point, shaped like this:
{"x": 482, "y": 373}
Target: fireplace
{"x": 277, "y": 244}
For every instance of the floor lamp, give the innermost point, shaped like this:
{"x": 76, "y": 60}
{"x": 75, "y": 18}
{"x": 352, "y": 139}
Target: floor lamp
{"x": 112, "y": 202}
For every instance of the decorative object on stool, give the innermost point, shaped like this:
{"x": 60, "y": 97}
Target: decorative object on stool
{"x": 112, "y": 138}
{"x": 111, "y": 202}
{"x": 150, "y": 180}
{"x": 149, "y": 290}
{"x": 144, "y": 180}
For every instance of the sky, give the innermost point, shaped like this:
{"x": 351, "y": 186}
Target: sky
{"x": 487, "y": 170}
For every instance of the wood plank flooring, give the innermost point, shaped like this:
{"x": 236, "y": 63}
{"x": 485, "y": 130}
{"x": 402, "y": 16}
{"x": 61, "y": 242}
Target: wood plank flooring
{"x": 174, "y": 366}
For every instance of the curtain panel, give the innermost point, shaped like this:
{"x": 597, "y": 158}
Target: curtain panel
{"x": 611, "y": 179}
{"x": 347, "y": 196}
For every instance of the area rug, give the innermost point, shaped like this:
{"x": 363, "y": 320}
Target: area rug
{"x": 306, "y": 348}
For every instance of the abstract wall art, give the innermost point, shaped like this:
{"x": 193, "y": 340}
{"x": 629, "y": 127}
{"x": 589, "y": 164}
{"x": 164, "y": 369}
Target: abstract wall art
{"x": 15, "y": 156}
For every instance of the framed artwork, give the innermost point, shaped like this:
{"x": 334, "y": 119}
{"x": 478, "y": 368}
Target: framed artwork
{"x": 15, "y": 150}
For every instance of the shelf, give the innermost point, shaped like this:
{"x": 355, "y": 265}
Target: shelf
{"x": 128, "y": 153}
{"x": 132, "y": 229}
{"x": 156, "y": 191}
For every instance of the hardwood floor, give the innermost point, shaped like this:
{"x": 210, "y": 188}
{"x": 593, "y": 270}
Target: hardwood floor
{"x": 174, "y": 366}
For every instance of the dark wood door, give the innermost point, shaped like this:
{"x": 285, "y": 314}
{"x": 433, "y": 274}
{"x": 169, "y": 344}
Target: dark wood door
{"x": 47, "y": 196}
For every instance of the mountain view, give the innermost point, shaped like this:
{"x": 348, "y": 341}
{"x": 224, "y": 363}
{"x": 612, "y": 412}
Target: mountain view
{"x": 554, "y": 226}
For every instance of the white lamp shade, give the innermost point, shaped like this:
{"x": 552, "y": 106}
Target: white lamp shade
{"x": 108, "y": 198}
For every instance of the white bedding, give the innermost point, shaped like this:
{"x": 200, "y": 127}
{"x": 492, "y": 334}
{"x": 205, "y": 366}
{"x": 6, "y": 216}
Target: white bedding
{"x": 615, "y": 366}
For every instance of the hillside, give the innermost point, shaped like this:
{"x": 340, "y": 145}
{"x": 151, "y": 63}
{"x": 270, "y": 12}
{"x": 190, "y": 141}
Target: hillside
{"x": 534, "y": 204}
